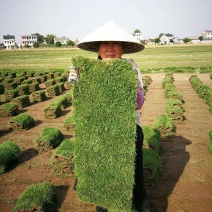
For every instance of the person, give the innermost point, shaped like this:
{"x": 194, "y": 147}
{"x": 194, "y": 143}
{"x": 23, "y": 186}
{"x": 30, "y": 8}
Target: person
{"x": 111, "y": 41}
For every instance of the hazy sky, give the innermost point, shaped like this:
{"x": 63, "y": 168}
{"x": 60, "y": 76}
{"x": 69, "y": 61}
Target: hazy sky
{"x": 77, "y": 18}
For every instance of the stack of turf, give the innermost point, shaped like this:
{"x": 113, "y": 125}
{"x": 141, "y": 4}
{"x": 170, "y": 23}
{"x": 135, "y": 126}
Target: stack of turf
{"x": 36, "y": 79}
{"x": 175, "y": 94}
{"x": 23, "y": 89}
{"x": 60, "y": 79}
{"x": 34, "y": 87}
{"x": 21, "y": 101}
{"x": 105, "y": 129}
{"x": 53, "y": 91}
{"x": 10, "y": 86}
{"x": 27, "y": 81}
{"x": 8, "y": 109}
{"x": 203, "y": 90}
{"x": 22, "y": 122}
{"x": 29, "y": 74}
{"x": 176, "y": 113}
{"x": 62, "y": 160}
{"x": 175, "y": 103}
{"x": 168, "y": 88}
{"x": 167, "y": 79}
{"x": 43, "y": 78}
{"x": 151, "y": 162}
{"x": 49, "y": 138}
{"x": 37, "y": 197}
{"x": 39, "y": 96}
{"x": 10, "y": 94}
{"x": 57, "y": 74}
{"x": 69, "y": 122}
{"x": 152, "y": 137}
{"x": 50, "y": 76}
{"x": 208, "y": 100}
{"x": 49, "y": 83}
{"x": 61, "y": 87}
{"x": 9, "y": 153}
{"x": 7, "y": 80}
{"x": 147, "y": 80}
{"x": 53, "y": 110}
{"x": 165, "y": 125}
{"x": 19, "y": 80}
{"x": 210, "y": 142}
{"x": 62, "y": 101}
{"x": 69, "y": 96}
{"x": 2, "y": 88}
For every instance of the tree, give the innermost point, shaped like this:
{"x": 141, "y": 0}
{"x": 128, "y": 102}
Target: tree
{"x": 201, "y": 38}
{"x": 186, "y": 40}
{"x": 157, "y": 40}
{"x": 26, "y": 46}
{"x": 160, "y": 35}
{"x": 137, "y": 31}
{"x": 70, "y": 43}
{"x": 36, "y": 45}
{"x": 49, "y": 39}
{"x": 58, "y": 44}
{"x": 40, "y": 38}
{"x": 171, "y": 41}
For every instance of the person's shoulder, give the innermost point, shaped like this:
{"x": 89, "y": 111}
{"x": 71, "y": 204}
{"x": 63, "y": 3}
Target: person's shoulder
{"x": 132, "y": 61}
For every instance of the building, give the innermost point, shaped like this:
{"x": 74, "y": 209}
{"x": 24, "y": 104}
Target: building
{"x": 165, "y": 38}
{"x": 28, "y": 40}
{"x": 137, "y": 35}
{"x": 62, "y": 40}
{"x": 9, "y": 41}
{"x": 207, "y": 34}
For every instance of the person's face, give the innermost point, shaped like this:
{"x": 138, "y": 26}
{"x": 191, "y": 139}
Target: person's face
{"x": 110, "y": 50}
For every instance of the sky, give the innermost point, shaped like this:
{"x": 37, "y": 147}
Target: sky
{"x": 77, "y": 18}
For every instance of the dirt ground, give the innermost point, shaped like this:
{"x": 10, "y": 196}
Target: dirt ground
{"x": 185, "y": 181}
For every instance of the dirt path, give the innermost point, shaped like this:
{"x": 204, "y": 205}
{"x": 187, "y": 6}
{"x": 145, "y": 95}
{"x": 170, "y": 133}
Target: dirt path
{"x": 185, "y": 182}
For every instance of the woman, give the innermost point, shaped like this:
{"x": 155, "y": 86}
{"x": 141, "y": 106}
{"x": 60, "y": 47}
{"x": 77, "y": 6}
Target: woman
{"x": 112, "y": 41}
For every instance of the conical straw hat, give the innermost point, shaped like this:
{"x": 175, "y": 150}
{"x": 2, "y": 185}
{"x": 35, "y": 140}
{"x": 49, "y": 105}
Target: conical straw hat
{"x": 110, "y": 31}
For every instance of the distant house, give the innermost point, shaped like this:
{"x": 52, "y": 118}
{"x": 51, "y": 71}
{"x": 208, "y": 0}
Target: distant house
{"x": 62, "y": 40}
{"x": 9, "y": 41}
{"x": 194, "y": 39}
{"x": 137, "y": 35}
{"x": 149, "y": 41}
{"x": 207, "y": 34}
{"x": 28, "y": 40}
{"x": 165, "y": 38}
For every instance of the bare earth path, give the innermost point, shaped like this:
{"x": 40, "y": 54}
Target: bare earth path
{"x": 185, "y": 182}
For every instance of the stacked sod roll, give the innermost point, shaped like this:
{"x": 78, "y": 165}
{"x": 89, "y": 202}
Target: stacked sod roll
{"x": 105, "y": 128}
{"x": 37, "y": 197}
{"x": 9, "y": 154}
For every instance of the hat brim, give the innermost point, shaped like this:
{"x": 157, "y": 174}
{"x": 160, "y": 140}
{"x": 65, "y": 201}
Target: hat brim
{"x": 128, "y": 47}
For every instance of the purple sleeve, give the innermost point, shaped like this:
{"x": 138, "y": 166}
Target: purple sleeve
{"x": 140, "y": 98}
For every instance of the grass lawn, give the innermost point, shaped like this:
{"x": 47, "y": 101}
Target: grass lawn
{"x": 175, "y": 58}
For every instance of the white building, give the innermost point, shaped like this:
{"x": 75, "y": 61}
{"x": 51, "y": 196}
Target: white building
{"x": 28, "y": 40}
{"x": 9, "y": 41}
{"x": 207, "y": 34}
{"x": 62, "y": 40}
{"x": 137, "y": 35}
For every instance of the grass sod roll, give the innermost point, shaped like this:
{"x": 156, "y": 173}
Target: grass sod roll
{"x": 49, "y": 138}
{"x": 22, "y": 122}
{"x": 62, "y": 160}
{"x": 8, "y": 109}
{"x": 151, "y": 162}
{"x": 37, "y": 197}
{"x": 69, "y": 122}
{"x": 9, "y": 153}
{"x": 152, "y": 137}
{"x": 22, "y": 101}
{"x": 165, "y": 125}
{"x": 105, "y": 129}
